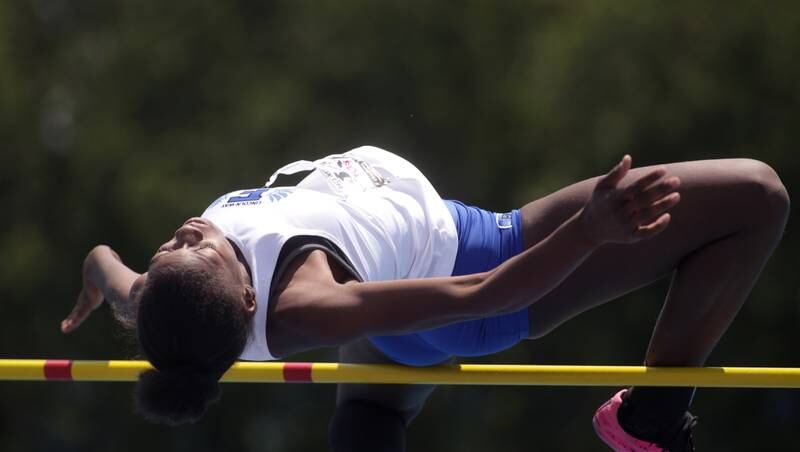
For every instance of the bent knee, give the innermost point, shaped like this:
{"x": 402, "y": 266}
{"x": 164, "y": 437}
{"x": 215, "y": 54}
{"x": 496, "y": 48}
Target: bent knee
{"x": 770, "y": 197}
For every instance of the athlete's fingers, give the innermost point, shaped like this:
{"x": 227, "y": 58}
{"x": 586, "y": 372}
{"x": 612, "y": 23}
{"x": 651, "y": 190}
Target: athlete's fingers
{"x": 77, "y": 315}
{"x": 657, "y": 191}
{"x": 644, "y": 200}
{"x": 639, "y": 186}
{"x": 654, "y": 228}
{"x": 71, "y": 323}
{"x": 616, "y": 174}
{"x": 654, "y": 210}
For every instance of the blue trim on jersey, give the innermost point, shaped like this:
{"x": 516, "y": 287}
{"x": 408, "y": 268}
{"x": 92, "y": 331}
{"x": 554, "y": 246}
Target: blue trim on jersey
{"x": 485, "y": 240}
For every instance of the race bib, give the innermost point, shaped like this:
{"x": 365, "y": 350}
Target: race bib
{"x": 344, "y": 174}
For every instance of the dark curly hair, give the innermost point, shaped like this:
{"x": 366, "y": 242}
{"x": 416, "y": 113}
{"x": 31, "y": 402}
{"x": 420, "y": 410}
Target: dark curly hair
{"x": 192, "y": 326}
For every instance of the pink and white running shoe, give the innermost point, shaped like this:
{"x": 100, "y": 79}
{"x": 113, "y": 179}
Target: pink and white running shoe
{"x": 607, "y": 427}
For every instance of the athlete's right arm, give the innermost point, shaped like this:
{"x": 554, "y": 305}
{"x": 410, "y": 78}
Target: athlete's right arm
{"x": 105, "y": 277}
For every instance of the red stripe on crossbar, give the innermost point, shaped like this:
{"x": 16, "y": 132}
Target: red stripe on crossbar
{"x": 297, "y": 372}
{"x": 58, "y": 369}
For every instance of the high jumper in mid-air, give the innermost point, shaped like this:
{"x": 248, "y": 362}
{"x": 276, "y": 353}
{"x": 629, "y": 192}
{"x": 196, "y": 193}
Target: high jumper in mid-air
{"x": 364, "y": 254}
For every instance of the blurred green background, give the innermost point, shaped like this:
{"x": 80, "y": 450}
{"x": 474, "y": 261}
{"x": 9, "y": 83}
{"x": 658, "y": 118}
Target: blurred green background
{"x": 120, "y": 119}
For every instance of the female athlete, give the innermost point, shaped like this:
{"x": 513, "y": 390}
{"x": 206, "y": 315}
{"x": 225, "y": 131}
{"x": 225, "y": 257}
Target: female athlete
{"x": 363, "y": 254}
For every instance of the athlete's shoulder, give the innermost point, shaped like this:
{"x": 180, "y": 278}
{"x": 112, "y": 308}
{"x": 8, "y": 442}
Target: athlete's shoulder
{"x": 297, "y": 318}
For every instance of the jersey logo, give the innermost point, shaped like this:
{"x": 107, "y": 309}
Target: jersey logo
{"x": 504, "y": 220}
{"x": 347, "y": 174}
{"x": 256, "y": 196}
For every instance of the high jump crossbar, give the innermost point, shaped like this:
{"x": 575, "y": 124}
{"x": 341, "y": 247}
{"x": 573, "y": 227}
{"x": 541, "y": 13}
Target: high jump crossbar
{"x": 460, "y": 374}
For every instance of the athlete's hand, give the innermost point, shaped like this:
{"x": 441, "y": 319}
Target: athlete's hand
{"x": 629, "y": 214}
{"x": 90, "y": 297}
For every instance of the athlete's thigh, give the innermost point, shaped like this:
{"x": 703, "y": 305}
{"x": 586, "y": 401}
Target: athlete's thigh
{"x": 717, "y": 198}
{"x": 406, "y": 399}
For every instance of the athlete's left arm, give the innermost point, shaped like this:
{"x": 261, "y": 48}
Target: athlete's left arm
{"x": 318, "y": 307}
{"x": 316, "y": 310}
{"x": 105, "y": 277}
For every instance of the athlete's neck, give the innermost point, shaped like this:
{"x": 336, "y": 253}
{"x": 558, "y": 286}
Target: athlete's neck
{"x": 242, "y": 261}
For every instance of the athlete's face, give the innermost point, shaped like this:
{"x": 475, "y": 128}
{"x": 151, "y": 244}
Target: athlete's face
{"x": 198, "y": 242}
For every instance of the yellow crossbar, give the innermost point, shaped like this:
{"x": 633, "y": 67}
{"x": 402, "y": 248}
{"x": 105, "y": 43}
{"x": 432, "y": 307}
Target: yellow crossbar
{"x": 462, "y": 374}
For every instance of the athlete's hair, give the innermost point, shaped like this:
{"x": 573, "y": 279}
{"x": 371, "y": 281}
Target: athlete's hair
{"x": 191, "y": 326}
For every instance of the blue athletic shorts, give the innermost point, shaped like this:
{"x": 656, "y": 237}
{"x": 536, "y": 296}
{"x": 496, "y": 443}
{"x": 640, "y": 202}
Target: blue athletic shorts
{"x": 485, "y": 240}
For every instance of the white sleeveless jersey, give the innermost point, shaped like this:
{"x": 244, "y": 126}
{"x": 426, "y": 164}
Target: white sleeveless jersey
{"x": 379, "y": 209}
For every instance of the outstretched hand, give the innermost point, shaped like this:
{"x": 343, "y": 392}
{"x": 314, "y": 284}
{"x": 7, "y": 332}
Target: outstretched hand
{"x": 629, "y": 214}
{"x": 89, "y": 299}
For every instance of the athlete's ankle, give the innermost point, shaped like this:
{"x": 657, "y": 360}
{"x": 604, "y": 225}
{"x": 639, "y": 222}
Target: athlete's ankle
{"x": 652, "y": 422}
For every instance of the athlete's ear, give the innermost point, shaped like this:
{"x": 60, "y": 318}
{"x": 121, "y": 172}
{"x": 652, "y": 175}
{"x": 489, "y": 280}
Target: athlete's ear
{"x": 249, "y": 299}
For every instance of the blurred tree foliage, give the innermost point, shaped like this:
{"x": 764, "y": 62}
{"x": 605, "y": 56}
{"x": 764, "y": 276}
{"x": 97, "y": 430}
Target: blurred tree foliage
{"x": 120, "y": 119}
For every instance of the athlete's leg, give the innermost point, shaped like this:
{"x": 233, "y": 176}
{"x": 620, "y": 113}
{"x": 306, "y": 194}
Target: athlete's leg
{"x": 729, "y": 208}
{"x": 731, "y": 217}
{"x": 373, "y": 417}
